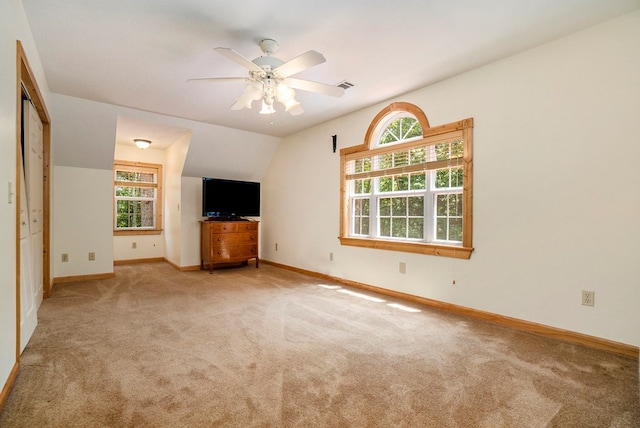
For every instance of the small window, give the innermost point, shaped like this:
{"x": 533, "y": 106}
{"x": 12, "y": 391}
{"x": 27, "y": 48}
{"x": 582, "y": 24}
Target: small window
{"x": 408, "y": 188}
{"x": 137, "y": 193}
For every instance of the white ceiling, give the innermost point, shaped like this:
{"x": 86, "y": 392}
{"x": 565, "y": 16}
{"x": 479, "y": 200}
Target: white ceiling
{"x": 139, "y": 53}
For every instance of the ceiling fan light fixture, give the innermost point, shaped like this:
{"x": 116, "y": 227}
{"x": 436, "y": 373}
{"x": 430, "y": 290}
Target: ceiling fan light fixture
{"x": 142, "y": 144}
{"x": 242, "y": 102}
{"x": 290, "y": 104}
{"x": 267, "y": 107}
{"x": 295, "y": 110}
{"x": 253, "y": 90}
{"x": 284, "y": 93}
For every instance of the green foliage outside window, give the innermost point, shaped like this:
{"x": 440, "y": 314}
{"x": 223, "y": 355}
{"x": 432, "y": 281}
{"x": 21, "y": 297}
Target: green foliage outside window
{"x": 361, "y": 216}
{"x": 401, "y": 129}
{"x": 449, "y": 217}
{"x": 402, "y": 217}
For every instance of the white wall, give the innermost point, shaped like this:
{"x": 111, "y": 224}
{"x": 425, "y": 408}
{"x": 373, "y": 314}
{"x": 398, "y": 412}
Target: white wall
{"x": 555, "y": 189}
{"x": 83, "y": 221}
{"x": 13, "y": 26}
{"x": 191, "y": 210}
{"x": 176, "y": 154}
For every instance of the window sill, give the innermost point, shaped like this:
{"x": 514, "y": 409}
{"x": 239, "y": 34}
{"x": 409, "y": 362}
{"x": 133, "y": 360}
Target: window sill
{"x": 410, "y": 247}
{"x": 137, "y": 232}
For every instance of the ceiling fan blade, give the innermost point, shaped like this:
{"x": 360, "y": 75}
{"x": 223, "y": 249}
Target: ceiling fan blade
{"x": 321, "y": 88}
{"x": 298, "y": 64}
{"x": 218, "y": 79}
{"x": 236, "y": 57}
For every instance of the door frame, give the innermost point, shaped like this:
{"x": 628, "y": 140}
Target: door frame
{"x": 25, "y": 76}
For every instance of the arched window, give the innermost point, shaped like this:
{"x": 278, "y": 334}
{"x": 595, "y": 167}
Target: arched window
{"x": 408, "y": 187}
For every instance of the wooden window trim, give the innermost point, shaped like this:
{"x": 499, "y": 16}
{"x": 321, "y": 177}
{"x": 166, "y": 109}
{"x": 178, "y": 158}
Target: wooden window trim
{"x": 140, "y": 167}
{"x": 465, "y": 128}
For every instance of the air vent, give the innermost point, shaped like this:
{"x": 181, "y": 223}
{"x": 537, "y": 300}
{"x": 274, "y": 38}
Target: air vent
{"x": 345, "y": 85}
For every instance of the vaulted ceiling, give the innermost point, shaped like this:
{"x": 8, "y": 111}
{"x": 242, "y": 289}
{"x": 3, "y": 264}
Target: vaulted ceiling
{"x": 140, "y": 53}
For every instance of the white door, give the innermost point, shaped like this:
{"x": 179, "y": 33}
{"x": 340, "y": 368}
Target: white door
{"x": 31, "y": 247}
{"x": 28, "y": 308}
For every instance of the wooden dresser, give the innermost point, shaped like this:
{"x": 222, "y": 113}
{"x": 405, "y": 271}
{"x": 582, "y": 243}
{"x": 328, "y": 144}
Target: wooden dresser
{"x": 228, "y": 242}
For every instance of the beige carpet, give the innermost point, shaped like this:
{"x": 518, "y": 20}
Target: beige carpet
{"x": 266, "y": 347}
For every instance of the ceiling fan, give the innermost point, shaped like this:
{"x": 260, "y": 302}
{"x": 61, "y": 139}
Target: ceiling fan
{"x": 270, "y": 79}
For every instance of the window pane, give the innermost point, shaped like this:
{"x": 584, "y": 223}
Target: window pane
{"x": 455, "y": 205}
{"x": 416, "y": 206}
{"x": 418, "y": 155}
{"x": 385, "y": 184}
{"x": 385, "y": 207}
{"x": 362, "y": 165}
{"x": 136, "y": 192}
{"x": 457, "y": 149}
{"x": 385, "y": 226}
{"x": 441, "y": 228}
{"x": 416, "y": 228}
{"x": 418, "y": 181}
{"x": 132, "y": 213}
{"x": 398, "y": 228}
{"x": 124, "y": 191}
{"x": 401, "y": 183}
{"x": 362, "y": 186}
{"x": 442, "y": 151}
{"x": 401, "y": 159}
{"x": 361, "y": 216}
{"x": 457, "y": 175}
{"x": 366, "y": 186}
{"x": 140, "y": 177}
{"x": 455, "y": 229}
{"x": 401, "y": 129}
{"x": 441, "y": 205}
{"x": 146, "y": 214}
{"x": 365, "y": 226}
{"x": 385, "y": 161}
{"x": 442, "y": 178}
{"x": 399, "y": 207}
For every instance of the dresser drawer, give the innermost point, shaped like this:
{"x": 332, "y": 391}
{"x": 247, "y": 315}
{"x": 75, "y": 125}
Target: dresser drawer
{"x": 221, "y": 227}
{"x": 232, "y": 226}
{"x": 231, "y": 239}
{"x": 231, "y": 254}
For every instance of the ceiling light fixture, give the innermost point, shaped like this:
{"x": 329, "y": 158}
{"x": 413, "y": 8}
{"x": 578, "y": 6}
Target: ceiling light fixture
{"x": 269, "y": 89}
{"x": 142, "y": 144}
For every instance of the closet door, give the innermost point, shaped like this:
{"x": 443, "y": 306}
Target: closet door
{"x": 31, "y": 252}
{"x": 28, "y": 308}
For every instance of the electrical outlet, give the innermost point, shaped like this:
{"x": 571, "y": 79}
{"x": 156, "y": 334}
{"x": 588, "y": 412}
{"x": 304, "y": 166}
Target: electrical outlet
{"x": 134, "y": 245}
{"x": 588, "y": 298}
{"x": 65, "y": 257}
{"x": 276, "y": 246}
{"x": 403, "y": 267}
{"x": 330, "y": 257}
{"x": 92, "y": 256}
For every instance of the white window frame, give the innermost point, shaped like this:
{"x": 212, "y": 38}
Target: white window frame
{"x": 152, "y": 168}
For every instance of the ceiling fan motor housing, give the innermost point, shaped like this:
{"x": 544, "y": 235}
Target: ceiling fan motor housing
{"x": 269, "y": 46}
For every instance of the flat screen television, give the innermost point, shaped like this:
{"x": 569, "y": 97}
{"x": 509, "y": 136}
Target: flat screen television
{"x": 230, "y": 198}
